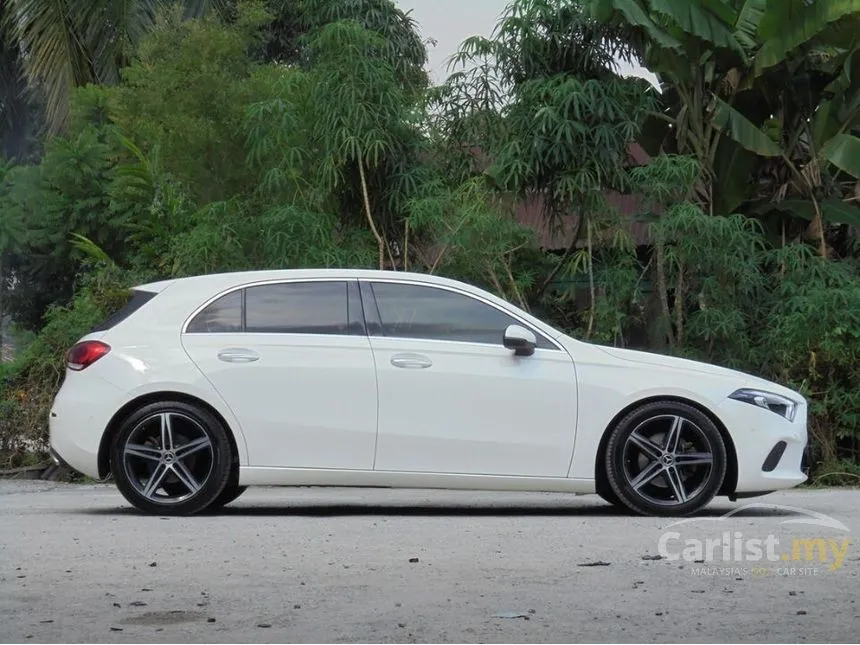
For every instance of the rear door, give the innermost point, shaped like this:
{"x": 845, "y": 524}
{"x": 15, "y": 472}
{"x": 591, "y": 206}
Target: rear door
{"x": 294, "y": 363}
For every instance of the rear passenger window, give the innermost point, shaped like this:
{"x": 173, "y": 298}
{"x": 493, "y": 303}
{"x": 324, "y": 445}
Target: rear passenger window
{"x": 297, "y": 308}
{"x": 222, "y": 316}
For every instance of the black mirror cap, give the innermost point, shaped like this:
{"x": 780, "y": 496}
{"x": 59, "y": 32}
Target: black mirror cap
{"x": 525, "y": 350}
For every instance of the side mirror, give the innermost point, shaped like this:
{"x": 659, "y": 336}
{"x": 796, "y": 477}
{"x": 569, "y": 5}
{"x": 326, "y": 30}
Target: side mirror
{"x": 521, "y": 340}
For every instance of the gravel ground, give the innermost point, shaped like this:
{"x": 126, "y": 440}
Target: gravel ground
{"x": 333, "y": 565}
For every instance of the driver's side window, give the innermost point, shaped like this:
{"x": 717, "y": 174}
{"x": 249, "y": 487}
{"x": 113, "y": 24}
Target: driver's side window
{"x": 417, "y": 311}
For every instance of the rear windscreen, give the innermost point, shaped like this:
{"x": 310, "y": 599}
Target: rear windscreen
{"x": 137, "y": 300}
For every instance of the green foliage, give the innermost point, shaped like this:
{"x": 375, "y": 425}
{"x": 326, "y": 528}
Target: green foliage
{"x": 28, "y": 386}
{"x": 813, "y": 333}
{"x": 68, "y": 192}
{"x": 346, "y": 122}
{"x": 727, "y": 294}
{"x": 185, "y": 96}
{"x": 753, "y": 89}
{"x": 224, "y": 236}
{"x": 69, "y": 44}
{"x": 468, "y": 234}
{"x": 358, "y": 99}
{"x": 842, "y": 472}
{"x": 400, "y": 46}
{"x": 568, "y": 140}
{"x": 788, "y": 25}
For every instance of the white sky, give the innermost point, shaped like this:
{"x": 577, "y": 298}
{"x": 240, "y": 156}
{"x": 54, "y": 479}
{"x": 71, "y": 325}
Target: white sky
{"x": 450, "y": 22}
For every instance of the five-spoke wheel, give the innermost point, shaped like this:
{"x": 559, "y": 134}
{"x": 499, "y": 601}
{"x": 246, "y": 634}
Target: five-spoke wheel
{"x": 173, "y": 458}
{"x": 665, "y": 458}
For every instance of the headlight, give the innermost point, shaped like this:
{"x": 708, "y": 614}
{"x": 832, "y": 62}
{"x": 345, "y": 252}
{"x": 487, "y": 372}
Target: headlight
{"x": 783, "y": 406}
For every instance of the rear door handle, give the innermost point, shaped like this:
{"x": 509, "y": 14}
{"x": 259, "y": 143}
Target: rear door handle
{"x": 238, "y": 355}
{"x": 411, "y": 361}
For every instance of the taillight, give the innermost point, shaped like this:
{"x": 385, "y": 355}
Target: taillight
{"x": 84, "y": 354}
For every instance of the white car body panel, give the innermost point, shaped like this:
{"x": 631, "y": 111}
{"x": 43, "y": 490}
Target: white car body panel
{"x": 309, "y": 402}
{"x": 478, "y": 410}
{"x": 614, "y": 379}
{"x": 332, "y": 410}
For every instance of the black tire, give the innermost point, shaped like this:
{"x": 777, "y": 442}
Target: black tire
{"x": 652, "y": 477}
{"x": 231, "y": 491}
{"x": 229, "y": 494}
{"x": 608, "y": 495}
{"x": 171, "y": 458}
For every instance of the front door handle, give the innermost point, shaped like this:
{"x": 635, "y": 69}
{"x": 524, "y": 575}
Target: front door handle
{"x": 238, "y": 355}
{"x": 411, "y": 361}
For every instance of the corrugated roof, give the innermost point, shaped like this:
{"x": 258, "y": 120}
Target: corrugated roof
{"x": 558, "y": 234}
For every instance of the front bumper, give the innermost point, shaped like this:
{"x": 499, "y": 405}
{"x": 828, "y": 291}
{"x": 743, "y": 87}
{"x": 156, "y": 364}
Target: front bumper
{"x": 756, "y": 432}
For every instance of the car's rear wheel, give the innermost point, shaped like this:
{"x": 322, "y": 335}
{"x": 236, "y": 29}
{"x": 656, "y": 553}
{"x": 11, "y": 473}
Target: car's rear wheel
{"x": 171, "y": 458}
{"x": 665, "y": 458}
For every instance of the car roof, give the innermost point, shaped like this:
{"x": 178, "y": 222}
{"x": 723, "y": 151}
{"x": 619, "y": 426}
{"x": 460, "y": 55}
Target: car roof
{"x": 230, "y": 279}
{"x": 215, "y": 283}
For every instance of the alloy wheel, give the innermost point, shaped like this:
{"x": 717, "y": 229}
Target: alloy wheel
{"x": 667, "y": 460}
{"x": 168, "y": 457}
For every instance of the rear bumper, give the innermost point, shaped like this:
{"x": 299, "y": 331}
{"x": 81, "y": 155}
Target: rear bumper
{"x": 69, "y": 451}
{"x": 78, "y": 419}
{"x": 57, "y": 458}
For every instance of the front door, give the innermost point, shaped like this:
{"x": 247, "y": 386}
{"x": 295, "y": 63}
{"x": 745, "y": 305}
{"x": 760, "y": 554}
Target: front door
{"x": 298, "y": 376}
{"x": 453, "y": 399}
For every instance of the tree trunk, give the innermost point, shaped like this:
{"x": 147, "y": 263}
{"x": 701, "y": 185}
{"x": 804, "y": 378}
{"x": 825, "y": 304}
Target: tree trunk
{"x": 406, "y": 246}
{"x": 592, "y": 291}
{"x": 2, "y": 303}
{"x": 782, "y": 247}
{"x": 379, "y": 239}
{"x": 679, "y": 306}
{"x": 818, "y": 228}
{"x": 662, "y": 287}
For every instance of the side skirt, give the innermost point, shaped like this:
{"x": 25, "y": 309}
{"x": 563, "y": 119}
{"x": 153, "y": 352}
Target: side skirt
{"x": 257, "y": 476}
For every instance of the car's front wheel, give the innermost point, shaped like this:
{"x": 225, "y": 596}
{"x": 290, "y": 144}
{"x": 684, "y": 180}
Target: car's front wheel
{"x": 171, "y": 458}
{"x": 665, "y": 458}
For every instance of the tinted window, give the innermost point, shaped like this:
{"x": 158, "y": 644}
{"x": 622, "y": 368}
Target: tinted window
{"x": 136, "y": 300}
{"x": 412, "y": 311}
{"x": 297, "y": 308}
{"x": 222, "y": 316}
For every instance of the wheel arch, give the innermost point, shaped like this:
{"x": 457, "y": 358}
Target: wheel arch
{"x": 154, "y": 397}
{"x": 729, "y": 480}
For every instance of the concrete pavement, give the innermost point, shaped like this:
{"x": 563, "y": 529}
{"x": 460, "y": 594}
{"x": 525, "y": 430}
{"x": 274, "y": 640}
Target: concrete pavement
{"x": 77, "y": 564}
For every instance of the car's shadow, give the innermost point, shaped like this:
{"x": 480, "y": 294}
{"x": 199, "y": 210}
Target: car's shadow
{"x": 436, "y": 510}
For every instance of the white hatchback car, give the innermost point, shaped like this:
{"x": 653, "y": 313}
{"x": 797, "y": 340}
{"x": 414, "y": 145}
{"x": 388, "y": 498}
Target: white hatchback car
{"x": 203, "y": 386}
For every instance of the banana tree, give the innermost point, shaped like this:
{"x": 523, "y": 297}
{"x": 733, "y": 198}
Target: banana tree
{"x": 698, "y": 49}
{"x": 810, "y": 144}
{"x": 751, "y": 87}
